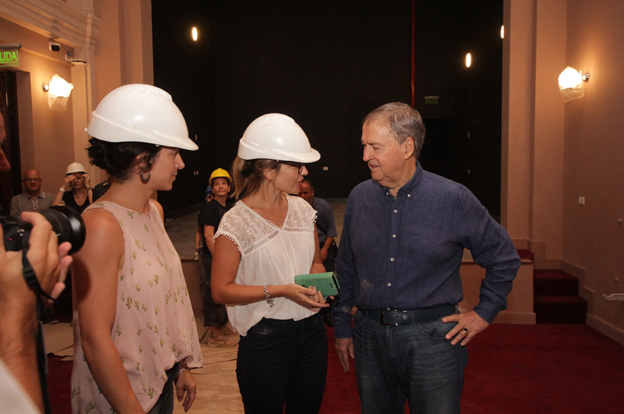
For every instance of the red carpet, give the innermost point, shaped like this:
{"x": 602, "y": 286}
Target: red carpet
{"x": 59, "y": 380}
{"x": 520, "y": 369}
{"x": 512, "y": 369}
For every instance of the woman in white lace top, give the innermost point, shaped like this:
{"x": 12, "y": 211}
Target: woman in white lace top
{"x": 262, "y": 243}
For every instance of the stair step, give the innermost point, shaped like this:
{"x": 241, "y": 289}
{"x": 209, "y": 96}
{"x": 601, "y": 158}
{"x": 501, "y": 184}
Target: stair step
{"x": 551, "y": 282}
{"x": 525, "y": 254}
{"x": 560, "y": 309}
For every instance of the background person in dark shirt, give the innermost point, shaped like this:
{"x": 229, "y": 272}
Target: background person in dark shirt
{"x": 326, "y": 230}
{"x": 101, "y": 189}
{"x": 215, "y": 315}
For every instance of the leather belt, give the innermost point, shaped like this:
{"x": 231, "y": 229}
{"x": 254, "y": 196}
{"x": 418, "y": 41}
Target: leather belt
{"x": 410, "y": 317}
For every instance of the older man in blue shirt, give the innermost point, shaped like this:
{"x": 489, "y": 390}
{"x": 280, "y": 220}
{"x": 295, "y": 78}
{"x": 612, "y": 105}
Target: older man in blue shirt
{"x": 401, "y": 248}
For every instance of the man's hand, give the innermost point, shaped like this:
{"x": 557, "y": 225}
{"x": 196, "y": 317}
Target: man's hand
{"x": 344, "y": 348}
{"x": 324, "y": 253}
{"x": 49, "y": 262}
{"x": 18, "y": 326}
{"x": 469, "y": 324}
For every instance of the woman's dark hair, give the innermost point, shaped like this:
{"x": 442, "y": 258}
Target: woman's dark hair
{"x": 120, "y": 158}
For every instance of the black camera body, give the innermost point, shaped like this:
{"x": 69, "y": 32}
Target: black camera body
{"x": 65, "y": 221}
{"x": 14, "y": 231}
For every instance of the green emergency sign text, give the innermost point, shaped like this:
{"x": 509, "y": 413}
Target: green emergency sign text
{"x": 9, "y": 58}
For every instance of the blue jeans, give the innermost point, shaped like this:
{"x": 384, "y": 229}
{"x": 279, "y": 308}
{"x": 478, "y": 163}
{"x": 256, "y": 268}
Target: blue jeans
{"x": 413, "y": 362}
{"x": 283, "y": 362}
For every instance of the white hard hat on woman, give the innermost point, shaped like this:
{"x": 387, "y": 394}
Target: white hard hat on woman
{"x": 140, "y": 113}
{"x": 276, "y": 137}
{"x": 75, "y": 167}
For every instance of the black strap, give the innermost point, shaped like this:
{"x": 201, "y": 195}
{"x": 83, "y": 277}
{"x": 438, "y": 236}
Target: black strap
{"x": 42, "y": 359}
{"x": 29, "y": 272}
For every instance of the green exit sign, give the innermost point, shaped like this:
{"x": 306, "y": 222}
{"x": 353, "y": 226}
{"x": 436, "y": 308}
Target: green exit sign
{"x": 431, "y": 100}
{"x": 9, "y": 55}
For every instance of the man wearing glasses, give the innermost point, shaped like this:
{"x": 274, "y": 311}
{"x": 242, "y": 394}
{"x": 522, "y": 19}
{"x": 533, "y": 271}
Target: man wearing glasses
{"x": 33, "y": 199}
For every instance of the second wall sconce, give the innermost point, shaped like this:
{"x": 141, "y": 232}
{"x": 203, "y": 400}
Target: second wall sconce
{"x": 571, "y": 84}
{"x": 58, "y": 93}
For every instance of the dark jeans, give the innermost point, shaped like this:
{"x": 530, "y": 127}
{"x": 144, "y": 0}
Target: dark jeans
{"x": 215, "y": 314}
{"x": 416, "y": 362}
{"x": 283, "y": 362}
{"x": 164, "y": 405}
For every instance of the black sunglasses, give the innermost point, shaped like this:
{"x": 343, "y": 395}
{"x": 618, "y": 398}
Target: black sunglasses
{"x": 297, "y": 165}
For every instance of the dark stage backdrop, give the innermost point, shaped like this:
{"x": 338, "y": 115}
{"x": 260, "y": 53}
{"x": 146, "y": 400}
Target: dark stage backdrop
{"x": 326, "y": 64}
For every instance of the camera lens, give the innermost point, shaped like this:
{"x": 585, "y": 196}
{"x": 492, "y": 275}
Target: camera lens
{"x": 67, "y": 224}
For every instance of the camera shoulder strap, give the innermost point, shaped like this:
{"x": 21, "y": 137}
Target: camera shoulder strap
{"x": 42, "y": 360}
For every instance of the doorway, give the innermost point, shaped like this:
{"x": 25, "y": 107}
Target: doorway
{"x": 11, "y": 181}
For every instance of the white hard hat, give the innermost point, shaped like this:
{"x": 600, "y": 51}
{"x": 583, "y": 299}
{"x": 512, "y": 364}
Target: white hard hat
{"x": 140, "y": 113}
{"x": 276, "y": 137}
{"x": 75, "y": 167}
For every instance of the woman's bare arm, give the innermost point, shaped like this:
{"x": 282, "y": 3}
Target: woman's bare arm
{"x": 95, "y": 273}
{"x": 224, "y": 289}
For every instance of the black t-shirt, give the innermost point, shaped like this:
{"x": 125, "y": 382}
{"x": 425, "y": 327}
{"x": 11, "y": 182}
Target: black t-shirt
{"x": 210, "y": 215}
{"x": 68, "y": 198}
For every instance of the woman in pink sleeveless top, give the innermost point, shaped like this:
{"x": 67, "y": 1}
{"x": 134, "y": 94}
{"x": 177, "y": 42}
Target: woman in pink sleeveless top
{"x": 134, "y": 329}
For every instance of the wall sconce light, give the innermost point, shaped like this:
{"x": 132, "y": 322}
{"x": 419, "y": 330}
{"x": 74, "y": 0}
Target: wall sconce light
{"x": 194, "y": 34}
{"x": 571, "y": 84}
{"x": 58, "y": 93}
{"x": 468, "y": 60}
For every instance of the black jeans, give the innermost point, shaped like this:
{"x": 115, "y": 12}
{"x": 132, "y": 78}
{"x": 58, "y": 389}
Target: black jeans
{"x": 164, "y": 405}
{"x": 283, "y": 362}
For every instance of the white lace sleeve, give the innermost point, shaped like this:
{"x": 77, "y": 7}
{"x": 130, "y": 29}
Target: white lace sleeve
{"x": 303, "y": 215}
{"x": 245, "y": 229}
{"x": 228, "y": 227}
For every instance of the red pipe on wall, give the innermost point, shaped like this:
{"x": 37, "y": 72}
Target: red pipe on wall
{"x": 413, "y": 74}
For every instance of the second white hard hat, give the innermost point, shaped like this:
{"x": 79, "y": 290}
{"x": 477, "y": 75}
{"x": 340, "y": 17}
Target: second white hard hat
{"x": 140, "y": 113}
{"x": 75, "y": 167}
{"x": 276, "y": 137}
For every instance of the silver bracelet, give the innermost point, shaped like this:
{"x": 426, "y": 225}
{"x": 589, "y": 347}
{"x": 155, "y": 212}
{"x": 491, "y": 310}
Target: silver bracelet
{"x": 269, "y": 299}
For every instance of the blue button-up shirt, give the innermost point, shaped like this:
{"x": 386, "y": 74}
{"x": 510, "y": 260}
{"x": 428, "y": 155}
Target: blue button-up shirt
{"x": 404, "y": 253}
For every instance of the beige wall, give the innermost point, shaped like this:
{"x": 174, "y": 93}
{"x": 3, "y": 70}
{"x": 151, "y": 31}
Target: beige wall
{"x": 593, "y": 239}
{"x": 113, "y": 37}
{"x": 517, "y": 119}
{"x": 46, "y": 136}
{"x": 556, "y": 153}
{"x": 124, "y": 50}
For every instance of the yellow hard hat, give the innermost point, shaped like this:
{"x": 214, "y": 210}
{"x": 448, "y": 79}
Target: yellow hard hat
{"x": 220, "y": 173}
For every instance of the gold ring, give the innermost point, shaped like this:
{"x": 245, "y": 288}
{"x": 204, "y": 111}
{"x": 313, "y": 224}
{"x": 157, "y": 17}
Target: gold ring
{"x": 465, "y": 330}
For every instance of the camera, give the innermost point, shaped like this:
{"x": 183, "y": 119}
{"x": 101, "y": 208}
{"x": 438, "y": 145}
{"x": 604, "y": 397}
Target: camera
{"x": 55, "y": 47}
{"x": 66, "y": 223}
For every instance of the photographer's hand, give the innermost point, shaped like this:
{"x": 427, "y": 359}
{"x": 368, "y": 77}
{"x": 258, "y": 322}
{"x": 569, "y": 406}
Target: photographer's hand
{"x": 51, "y": 262}
{"x": 18, "y": 325}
